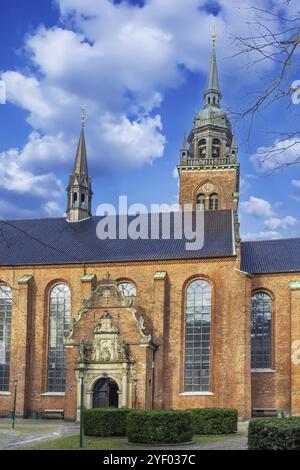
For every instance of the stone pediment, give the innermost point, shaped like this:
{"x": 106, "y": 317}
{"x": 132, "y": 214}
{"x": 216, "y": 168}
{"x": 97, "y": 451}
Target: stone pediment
{"x": 107, "y": 296}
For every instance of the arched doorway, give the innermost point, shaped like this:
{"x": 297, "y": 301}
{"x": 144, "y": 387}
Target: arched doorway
{"x": 105, "y": 394}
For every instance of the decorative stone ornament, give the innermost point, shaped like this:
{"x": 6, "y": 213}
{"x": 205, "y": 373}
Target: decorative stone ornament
{"x": 207, "y": 187}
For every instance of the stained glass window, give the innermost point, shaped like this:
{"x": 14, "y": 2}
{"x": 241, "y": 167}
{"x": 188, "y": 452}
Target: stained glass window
{"x": 197, "y": 336}
{"x": 60, "y": 317}
{"x": 5, "y": 335}
{"x": 261, "y": 327}
{"x": 127, "y": 289}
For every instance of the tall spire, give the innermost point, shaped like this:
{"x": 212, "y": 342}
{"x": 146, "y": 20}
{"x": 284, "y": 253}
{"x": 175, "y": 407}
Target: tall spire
{"x": 212, "y": 94}
{"x": 79, "y": 188}
{"x": 80, "y": 167}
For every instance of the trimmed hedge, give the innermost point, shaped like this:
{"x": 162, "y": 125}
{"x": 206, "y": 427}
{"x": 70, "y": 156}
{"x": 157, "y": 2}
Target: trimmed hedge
{"x": 105, "y": 422}
{"x": 214, "y": 420}
{"x": 274, "y": 434}
{"x": 159, "y": 427}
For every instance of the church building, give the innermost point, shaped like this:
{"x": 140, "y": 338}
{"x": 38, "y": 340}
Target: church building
{"x": 147, "y": 323}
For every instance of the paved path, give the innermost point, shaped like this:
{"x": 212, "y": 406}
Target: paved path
{"x": 30, "y": 431}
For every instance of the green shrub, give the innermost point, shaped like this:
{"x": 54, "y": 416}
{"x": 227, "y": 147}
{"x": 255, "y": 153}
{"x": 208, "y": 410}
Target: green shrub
{"x": 214, "y": 420}
{"x": 105, "y": 422}
{"x": 274, "y": 434}
{"x": 159, "y": 427}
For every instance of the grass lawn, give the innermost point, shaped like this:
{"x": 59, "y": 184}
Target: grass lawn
{"x": 102, "y": 443}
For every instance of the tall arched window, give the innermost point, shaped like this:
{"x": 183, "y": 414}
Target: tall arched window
{"x": 60, "y": 318}
{"x": 200, "y": 202}
{"x": 261, "y": 331}
{"x": 197, "y": 336}
{"x": 213, "y": 202}
{"x": 5, "y": 335}
{"x": 127, "y": 289}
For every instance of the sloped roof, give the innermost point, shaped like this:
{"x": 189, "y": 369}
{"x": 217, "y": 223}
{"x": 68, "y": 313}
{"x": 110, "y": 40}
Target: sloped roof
{"x": 271, "y": 256}
{"x": 55, "y": 241}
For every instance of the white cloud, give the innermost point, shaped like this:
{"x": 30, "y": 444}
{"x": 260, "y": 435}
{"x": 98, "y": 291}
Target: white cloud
{"x": 136, "y": 141}
{"x": 275, "y": 223}
{"x": 256, "y": 206}
{"x": 262, "y": 235}
{"x": 296, "y": 183}
{"x": 119, "y": 61}
{"x": 53, "y": 208}
{"x": 15, "y": 177}
{"x": 281, "y": 153}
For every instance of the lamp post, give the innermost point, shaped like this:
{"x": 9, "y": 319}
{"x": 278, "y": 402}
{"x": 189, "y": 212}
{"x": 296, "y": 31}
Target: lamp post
{"x": 81, "y": 377}
{"x": 15, "y": 403}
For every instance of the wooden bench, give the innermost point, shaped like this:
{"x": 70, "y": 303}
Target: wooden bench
{"x": 53, "y": 413}
{"x": 256, "y": 412}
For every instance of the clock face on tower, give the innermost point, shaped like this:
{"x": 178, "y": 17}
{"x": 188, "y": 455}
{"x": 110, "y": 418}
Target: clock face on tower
{"x": 207, "y": 188}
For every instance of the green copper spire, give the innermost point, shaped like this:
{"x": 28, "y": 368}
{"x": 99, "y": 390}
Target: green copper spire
{"x": 212, "y": 94}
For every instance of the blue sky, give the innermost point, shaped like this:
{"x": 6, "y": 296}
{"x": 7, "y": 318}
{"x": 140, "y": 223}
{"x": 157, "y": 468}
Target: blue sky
{"x": 140, "y": 68}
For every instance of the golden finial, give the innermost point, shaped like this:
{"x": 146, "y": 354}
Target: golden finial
{"x": 214, "y": 36}
{"x": 83, "y": 115}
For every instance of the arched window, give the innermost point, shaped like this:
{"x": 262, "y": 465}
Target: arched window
{"x": 261, "y": 331}
{"x": 60, "y": 318}
{"x": 75, "y": 200}
{"x": 213, "y": 202}
{"x": 5, "y": 334}
{"x": 127, "y": 289}
{"x": 202, "y": 148}
{"x": 216, "y": 146}
{"x": 82, "y": 201}
{"x": 197, "y": 336}
{"x": 200, "y": 202}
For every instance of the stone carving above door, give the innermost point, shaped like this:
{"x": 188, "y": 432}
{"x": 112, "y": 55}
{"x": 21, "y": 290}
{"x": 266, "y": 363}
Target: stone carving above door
{"x": 106, "y": 347}
{"x": 106, "y": 293}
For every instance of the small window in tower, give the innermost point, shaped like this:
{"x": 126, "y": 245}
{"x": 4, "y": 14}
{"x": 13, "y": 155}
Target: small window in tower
{"x": 200, "y": 202}
{"x": 213, "y": 202}
{"x": 214, "y": 100}
{"x": 202, "y": 148}
{"x": 75, "y": 200}
{"x": 82, "y": 201}
{"x": 233, "y": 152}
{"x": 208, "y": 100}
{"x": 216, "y": 146}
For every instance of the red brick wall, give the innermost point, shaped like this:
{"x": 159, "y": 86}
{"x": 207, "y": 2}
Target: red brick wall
{"x": 162, "y": 305}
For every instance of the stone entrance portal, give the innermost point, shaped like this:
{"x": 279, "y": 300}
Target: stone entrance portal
{"x": 105, "y": 394}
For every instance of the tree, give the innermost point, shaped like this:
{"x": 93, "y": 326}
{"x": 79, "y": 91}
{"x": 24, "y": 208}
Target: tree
{"x": 275, "y": 37}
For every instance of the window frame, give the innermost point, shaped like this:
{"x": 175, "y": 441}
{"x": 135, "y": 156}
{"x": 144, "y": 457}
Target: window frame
{"x": 5, "y": 384}
{"x": 272, "y": 326}
{"x": 200, "y": 391}
{"x": 214, "y": 198}
{"x": 47, "y": 378}
{"x": 128, "y": 282}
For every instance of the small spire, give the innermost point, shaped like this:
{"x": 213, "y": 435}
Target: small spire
{"x": 184, "y": 145}
{"x": 80, "y": 167}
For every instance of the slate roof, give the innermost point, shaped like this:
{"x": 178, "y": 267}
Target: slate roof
{"x": 56, "y": 241}
{"x": 271, "y": 256}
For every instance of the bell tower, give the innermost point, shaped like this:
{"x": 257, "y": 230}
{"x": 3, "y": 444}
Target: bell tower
{"x": 79, "y": 188}
{"x": 208, "y": 168}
